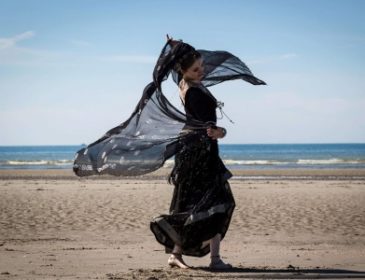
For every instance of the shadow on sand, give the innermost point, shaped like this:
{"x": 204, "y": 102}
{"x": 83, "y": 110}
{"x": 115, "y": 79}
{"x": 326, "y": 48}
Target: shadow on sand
{"x": 239, "y": 273}
{"x": 288, "y": 273}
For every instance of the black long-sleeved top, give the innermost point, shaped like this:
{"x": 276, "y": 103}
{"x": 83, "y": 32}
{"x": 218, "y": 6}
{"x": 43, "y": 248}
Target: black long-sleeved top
{"x": 200, "y": 106}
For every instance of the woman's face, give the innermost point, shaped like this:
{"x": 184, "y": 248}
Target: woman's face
{"x": 195, "y": 72}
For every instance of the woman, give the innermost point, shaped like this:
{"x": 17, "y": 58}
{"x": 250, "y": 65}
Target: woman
{"x": 202, "y": 203}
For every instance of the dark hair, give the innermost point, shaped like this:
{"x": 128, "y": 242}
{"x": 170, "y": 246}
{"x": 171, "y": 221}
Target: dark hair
{"x": 186, "y": 61}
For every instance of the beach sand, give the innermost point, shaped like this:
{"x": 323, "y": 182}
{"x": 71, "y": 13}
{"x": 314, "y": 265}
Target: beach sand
{"x": 54, "y": 225}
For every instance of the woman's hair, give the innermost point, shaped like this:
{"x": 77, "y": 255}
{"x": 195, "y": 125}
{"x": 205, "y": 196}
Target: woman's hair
{"x": 186, "y": 61}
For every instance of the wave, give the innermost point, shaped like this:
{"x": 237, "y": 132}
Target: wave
{"x": 60, "y": 162}
{"x": 299, "y": 162}
{"x": 229, "y": 162}
{"x": 253, "y": 162}
{"x": 328, "y": 161}
{"x": 331, "y": 161}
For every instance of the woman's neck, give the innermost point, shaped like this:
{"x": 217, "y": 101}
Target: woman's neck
{"x": 192, "y": 82}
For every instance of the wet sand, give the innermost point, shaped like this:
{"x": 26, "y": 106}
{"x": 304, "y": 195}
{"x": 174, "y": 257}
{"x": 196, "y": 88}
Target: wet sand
{"x": 299, "y": 224}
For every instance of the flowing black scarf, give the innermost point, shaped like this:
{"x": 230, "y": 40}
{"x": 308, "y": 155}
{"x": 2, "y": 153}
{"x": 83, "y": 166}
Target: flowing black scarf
{"x": 156, "y": 130}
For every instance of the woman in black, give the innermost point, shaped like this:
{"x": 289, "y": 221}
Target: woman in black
{"x": 202, "y": 202}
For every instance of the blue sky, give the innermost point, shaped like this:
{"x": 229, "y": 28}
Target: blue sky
{"x": 71, "y": 70}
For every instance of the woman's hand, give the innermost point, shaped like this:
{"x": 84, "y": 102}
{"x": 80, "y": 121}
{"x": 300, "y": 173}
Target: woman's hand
{"x": 216, "y": 133}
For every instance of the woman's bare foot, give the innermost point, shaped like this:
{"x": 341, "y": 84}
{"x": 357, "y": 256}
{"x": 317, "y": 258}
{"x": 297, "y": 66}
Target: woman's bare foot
{"x": 177, "y": 260}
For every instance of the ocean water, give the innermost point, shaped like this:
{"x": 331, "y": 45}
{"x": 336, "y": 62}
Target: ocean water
{"x": 238, "y": 156}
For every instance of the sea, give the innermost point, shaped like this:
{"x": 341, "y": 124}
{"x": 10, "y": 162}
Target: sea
{"x": 235, "y": 156}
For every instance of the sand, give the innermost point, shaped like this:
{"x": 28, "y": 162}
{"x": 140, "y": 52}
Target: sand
{"x": 56, "y": 226}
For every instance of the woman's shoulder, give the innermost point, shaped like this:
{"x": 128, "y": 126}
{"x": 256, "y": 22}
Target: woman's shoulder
{"x": 187, "y": 88}
{"x": 195, "y": 88}
{"x": 194, "y": 92}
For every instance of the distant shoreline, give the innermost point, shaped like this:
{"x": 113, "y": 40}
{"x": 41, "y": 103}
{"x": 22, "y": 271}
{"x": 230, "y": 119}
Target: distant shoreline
{"x": 162, "y": 173}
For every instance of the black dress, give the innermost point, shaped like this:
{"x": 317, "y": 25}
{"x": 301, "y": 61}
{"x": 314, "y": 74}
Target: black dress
{"x": 202, "y": 202}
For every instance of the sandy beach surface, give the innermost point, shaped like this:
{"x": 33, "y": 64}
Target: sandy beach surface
{"x": 54, "y": 225}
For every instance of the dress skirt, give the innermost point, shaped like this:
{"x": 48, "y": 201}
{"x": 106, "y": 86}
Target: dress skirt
{"x": 202, "y": 202}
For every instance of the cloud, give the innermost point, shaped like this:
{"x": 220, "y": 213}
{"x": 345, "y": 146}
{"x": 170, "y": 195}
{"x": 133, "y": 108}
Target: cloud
{"x": 12, "y": 41}
{"x": 12, "y": 53}
{"x": 29, "y": 57}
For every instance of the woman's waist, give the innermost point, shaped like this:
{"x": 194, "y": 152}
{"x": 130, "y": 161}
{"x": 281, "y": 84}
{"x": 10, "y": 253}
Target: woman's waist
{"x": 198, "y": 135}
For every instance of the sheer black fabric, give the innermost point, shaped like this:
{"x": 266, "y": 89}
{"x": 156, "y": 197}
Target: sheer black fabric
{"x": 156, "y": 130}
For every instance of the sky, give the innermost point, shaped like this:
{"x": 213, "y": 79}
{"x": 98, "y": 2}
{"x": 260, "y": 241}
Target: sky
{"x": 71, "y": 70}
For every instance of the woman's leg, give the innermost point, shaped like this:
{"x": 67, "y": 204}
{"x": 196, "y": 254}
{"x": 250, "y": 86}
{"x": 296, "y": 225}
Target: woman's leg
{"x": 176, "y": 258}
{"x": 177, "y": 250}
{"x": 214, "y": 245}
{"x": 216, "y": 261}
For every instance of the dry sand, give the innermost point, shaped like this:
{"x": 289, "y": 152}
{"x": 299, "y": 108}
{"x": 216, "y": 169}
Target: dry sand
{"x": 56, "y": 226}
